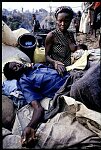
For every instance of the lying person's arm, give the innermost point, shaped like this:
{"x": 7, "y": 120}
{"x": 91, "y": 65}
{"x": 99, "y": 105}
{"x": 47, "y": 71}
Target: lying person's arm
{"x": 33, "y": 96}
{"x": 28, "y": 134}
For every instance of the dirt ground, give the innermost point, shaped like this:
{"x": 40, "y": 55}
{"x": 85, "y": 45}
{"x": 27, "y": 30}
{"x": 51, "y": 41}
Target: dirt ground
{"x": 89, "y": 40}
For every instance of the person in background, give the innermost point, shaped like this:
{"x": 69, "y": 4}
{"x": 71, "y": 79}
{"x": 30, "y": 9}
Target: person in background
{"x": 35, "y": 24}
{"x": 76, "y": 21}
{"x": 36, "y": 82}
{"x": 4, "y": 18}
{"x": 91, "y": 15}
{"x": 85, "y": 18}
{"x": 95, "y": 9}
{"x": 60, "y": 42}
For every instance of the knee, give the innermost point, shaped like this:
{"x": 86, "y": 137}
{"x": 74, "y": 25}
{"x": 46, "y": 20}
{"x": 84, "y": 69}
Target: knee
{"x": 78, "y": 87}
{"x": 75, "y": 90}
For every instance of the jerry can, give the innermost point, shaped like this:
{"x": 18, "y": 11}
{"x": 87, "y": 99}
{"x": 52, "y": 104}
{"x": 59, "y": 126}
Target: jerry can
{"x": 39, "y": 55}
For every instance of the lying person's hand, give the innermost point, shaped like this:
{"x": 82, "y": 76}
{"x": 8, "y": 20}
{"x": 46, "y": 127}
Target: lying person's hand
{"x": 28, "y": 137}
{"x": 60, "y": 67}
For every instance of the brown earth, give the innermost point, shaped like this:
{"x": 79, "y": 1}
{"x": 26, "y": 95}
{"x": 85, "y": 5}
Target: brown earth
{"x": 89, "y": 40}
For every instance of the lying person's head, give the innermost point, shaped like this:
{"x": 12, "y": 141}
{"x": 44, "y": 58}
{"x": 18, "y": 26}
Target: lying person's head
{"x": 64, "y": 16}
{"x": 14, "y": 70}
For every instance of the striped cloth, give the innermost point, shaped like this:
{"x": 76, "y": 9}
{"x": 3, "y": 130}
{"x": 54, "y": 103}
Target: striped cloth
{"x": 61, "y": 50}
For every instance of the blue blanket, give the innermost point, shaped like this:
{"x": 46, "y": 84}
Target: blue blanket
{"x": 11, "y": 89}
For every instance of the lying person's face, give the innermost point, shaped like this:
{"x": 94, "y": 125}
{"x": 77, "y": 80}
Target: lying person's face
{"x": 17, "y": 67}
{"x": 63, "y": 21}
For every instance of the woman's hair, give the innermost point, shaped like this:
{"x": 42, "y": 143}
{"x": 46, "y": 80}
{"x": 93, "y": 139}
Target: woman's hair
{"x": 64, "y": 9}
{"x": 8, "y": 72}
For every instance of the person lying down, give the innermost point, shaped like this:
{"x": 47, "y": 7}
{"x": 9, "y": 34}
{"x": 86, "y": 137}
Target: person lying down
{"x": 36, "y": 82}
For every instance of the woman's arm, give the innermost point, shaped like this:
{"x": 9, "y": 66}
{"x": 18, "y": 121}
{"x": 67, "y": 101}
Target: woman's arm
{"x": 48, "y": 46}
{"x": 59, "y": 66}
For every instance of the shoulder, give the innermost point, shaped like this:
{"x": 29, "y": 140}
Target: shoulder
{"x": 70, "y": 32}
{"x": 71, "y": 35}
{"x": 50, "y": 35}
{"x": 37, "y": 21}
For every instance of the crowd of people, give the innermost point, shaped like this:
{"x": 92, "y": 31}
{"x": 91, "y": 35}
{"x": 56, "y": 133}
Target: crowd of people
{"x": 89, "y": 21}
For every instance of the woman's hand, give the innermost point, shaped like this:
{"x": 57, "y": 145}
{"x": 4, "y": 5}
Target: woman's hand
{"x": 28, "y": 137}
{"x": 60, "y": 67}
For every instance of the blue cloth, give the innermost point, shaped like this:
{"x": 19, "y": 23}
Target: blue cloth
{"x": 9, "y": 86}
{"x": 41, "y": 82}
{"x": 11, "y": 89}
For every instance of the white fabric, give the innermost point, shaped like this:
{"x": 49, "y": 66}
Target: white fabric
{"x": 65, "y": 128}
{"x": 10, "y": 53}
{"x": 80, "y": 63}
{"x": 8, "y": 37}
{"x": 20, "y": 32}
{"x": 84, "y": 23}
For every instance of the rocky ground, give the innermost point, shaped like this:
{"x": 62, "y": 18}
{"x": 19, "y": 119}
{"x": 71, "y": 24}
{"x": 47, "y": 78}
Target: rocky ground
{"x": 89, "y": 40}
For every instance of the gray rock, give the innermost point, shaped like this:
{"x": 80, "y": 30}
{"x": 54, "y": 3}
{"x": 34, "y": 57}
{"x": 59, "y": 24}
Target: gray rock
{"x": 12, "y": 142}
{"x": 8, "y": 112}
{"x": 5, "y": 132}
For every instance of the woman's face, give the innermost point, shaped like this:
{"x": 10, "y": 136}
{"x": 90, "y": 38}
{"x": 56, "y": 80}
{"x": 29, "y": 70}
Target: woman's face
{"x": 63, "y": 21}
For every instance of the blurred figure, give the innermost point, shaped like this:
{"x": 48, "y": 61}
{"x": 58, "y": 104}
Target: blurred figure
{"x": 35, "y": 24}
{"x": 77, "y": 21}
{"x": 4, "y": 18}
{"x": 96, "y": 10}
{"x": 85, "y": 18}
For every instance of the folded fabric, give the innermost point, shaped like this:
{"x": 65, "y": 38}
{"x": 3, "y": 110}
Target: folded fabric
{"x": 9, "y": 86}
{"x": 11, "y": 89}
{"x": 8, "y": 36}
{"x": 19, "y": 32}
{"x": 80, "y": 63}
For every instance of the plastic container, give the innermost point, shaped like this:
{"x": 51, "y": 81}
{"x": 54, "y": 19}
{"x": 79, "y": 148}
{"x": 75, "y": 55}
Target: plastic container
{"x": 39, "y": 55}
{"x": 27, "y": 44}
